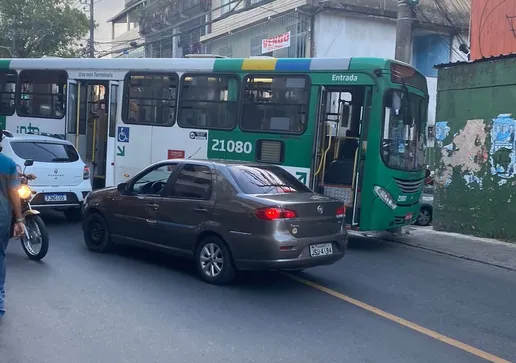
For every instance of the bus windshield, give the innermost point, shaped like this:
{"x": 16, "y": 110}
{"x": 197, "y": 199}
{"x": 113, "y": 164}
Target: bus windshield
{"x": 403, "y": 135}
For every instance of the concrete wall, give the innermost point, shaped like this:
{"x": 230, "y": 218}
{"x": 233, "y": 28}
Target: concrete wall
{"x": 475, "y": 149}
{"x": 339, "y": 36}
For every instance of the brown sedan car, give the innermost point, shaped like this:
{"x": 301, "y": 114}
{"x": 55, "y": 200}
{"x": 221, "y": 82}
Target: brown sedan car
{"x": 226, "y": 216}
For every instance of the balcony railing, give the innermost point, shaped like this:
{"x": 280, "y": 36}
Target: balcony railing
{"x": 164, "y": 13}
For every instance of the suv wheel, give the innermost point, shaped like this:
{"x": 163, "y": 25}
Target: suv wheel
{"x": 96, "y": 233}
{"x": 73, "y": 214}
{"x": 214, "y": 262}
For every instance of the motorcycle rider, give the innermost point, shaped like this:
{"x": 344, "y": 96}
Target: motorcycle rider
{"x": 9, "y": 202}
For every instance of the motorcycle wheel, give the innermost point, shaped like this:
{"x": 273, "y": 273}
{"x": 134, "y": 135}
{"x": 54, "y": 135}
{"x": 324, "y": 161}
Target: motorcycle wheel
{"x": 36, "y": 246}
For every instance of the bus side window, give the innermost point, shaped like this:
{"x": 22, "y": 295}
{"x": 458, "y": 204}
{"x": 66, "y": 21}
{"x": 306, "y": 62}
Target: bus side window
{"x": 275, "y": 103}
{"x": 41, "y": 93}
{"x": 208, "y": 101}
{"x": 150, "y": 98}
{"x": 8, "y": 80}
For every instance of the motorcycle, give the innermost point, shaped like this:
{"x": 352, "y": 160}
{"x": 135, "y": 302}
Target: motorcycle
{"x": 34, "y": 240}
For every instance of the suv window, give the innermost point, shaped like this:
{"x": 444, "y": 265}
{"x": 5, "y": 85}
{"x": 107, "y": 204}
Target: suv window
{"x": 194, "y": 182}
{"x": 266, "y": 180}
{"x": 45, "y": 152}
{"x": 154, "y": 181}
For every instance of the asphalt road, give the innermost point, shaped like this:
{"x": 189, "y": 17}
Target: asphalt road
{"x": 135, "y": 306}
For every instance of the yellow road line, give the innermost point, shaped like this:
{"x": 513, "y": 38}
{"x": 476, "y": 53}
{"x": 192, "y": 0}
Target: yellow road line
{"x": 455, "y": 343}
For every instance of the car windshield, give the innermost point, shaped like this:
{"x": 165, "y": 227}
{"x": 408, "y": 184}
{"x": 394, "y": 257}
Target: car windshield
{"x": 266, "y": 180}
{"x": 403, "y": 136}
{"x": 45, "y": 152}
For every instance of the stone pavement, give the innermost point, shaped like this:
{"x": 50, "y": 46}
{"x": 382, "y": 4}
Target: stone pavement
{"x": 488, "y": 251}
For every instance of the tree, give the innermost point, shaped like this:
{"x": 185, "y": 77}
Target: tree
{"x": 34, "y": 28}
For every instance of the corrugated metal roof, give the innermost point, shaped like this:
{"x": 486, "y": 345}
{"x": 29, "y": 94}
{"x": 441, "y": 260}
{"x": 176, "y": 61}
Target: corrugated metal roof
{"x": 488, "y": 59}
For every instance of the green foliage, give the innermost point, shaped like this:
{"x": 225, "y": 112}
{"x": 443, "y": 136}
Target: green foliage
{"x": 34, "y": 28}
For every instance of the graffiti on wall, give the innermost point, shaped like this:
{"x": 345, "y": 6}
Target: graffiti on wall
{"x": 502, "y": 158}
{"x": 441, "y": 132}
{"x": 467, "y": 152}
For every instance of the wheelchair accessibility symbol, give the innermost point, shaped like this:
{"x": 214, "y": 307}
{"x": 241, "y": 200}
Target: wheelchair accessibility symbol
{"x": 123, "y": 134}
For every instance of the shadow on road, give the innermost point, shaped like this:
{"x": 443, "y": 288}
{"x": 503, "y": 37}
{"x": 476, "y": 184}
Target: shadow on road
{"x": 362, "y": 243}
{"x": 188, "y": 268}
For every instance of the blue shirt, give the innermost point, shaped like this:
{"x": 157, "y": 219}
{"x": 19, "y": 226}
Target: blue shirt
{"x": 8, "y": 179}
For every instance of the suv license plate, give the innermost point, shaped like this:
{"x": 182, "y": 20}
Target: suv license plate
{"x": 55, "y": 198}
{"x": 323, "y": 249}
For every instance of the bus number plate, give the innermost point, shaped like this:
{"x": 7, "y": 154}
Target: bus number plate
{"x": 231, "y": 146}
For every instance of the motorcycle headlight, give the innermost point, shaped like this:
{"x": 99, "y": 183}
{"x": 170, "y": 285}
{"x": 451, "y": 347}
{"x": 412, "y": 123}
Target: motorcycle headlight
{"x": 24, "y": 192}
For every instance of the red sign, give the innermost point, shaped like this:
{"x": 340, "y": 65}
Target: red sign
{"x": 176, "y": 154}
{"x": 275, "y": 43}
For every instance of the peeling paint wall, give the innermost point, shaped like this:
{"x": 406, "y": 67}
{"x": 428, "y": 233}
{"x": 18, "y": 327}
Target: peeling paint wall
{"x": 476, "y": 149}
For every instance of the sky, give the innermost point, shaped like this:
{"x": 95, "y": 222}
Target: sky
{"x": 104, "y": 10}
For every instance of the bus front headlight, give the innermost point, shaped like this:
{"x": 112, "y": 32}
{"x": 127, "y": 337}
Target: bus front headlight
{"x": 24, "y": 192}
{"x": 385, "y": 196}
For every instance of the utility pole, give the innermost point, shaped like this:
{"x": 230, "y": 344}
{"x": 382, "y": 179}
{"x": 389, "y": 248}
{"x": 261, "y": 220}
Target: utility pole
{"x": 404, "y": 29}
{"x": 92, "y": 29}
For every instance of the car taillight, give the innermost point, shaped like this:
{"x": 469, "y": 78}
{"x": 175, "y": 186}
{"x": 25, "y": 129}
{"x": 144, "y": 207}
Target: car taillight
{"x": 86, "y": 173}
{"x": 270, "y": 214}
{"x": 341, "y": 211}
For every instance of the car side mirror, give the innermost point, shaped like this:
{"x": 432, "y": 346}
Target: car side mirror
{"x": 29, "y": 162}
{"x": 122, "y": 188}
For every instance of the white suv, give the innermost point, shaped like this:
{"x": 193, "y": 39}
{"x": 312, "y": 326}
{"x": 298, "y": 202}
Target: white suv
{"x": 63, "y": 180}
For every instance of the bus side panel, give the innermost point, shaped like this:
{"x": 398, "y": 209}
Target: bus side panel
{"x": 175, "y": 143}
{"x": 133, "y": 150}
{"x": 25, "y": 125}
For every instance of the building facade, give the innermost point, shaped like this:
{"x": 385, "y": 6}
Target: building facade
{"x": 125, "y": 31}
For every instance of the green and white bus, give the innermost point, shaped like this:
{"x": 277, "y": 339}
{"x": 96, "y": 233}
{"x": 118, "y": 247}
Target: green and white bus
{"x": 354, "y": 128}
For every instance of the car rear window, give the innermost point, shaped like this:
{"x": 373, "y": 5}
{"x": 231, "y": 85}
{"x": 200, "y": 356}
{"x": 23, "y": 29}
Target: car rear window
{"x": 266, "y": 180}
{"x": 45, "y": 152}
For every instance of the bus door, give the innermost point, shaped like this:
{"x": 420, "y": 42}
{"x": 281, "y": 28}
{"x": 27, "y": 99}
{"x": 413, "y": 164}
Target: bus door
{"x": 111, "y": 139}
{"x": 73, "y": 116}
{"x": 87, "y": 125}
{"x": 339, "y": 157}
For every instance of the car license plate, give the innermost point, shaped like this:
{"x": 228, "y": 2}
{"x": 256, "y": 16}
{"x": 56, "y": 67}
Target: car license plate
{"x": 55, "y": 198}
{"x": 323, "y": 249}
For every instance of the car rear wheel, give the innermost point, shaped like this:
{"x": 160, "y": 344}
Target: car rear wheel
{"x": 96, "y": 233}
{"x": 424, "y": 218}
{"x": 73, "y": 214}
{"x": 214, "y": 262}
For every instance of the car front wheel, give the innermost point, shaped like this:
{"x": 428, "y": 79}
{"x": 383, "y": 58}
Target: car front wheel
{"x": 214, "y": 262}
{"x": 96, "y": 233}
{"x": 424, "y": 218}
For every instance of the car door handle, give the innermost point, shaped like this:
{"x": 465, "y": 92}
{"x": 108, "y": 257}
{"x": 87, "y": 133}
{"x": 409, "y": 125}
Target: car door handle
{"x": 201, "y": 210}
{"x": 152, "y": 206}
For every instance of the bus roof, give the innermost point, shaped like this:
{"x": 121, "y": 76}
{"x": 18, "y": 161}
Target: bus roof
{"x": 200, "y": 64}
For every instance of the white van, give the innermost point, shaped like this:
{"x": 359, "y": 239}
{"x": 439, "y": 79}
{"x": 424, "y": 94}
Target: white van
{"x": 63, "y": 179}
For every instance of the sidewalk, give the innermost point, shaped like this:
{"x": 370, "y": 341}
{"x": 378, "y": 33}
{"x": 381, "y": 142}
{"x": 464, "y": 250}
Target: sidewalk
{"x": 488, "y": 251}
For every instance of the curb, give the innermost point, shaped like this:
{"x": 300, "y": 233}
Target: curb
{"x": 448, "y": 253}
